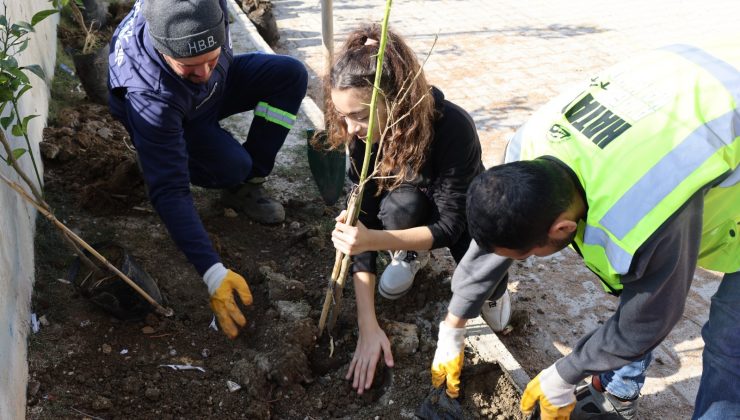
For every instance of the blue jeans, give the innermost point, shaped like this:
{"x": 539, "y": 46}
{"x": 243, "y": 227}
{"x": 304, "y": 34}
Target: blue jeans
{"x": 719, "y": 390}
{"x": 627, "y": 381}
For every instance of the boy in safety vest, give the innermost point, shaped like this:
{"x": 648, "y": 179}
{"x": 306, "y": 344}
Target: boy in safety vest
{"x": 639, "y": 174}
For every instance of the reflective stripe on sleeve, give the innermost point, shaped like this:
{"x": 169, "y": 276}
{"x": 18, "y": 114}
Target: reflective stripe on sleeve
{"x": 275, "y": 115}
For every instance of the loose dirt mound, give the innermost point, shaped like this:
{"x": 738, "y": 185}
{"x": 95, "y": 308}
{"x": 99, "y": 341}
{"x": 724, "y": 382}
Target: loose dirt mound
{"x": 90, "y": 154}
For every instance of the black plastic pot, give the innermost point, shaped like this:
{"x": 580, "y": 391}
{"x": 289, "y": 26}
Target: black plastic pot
{"x": 328, "y": 167}
{"x": 92, "y": 69}
{"x": 109, "y": 291}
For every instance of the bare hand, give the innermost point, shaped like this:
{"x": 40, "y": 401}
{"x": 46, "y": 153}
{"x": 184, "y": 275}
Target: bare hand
{"x": 350, "y": 240}
{"x": 366, "y": 357}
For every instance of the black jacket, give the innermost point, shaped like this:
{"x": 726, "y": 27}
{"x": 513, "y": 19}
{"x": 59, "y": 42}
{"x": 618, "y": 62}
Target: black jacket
{"x": 452, "y": 161}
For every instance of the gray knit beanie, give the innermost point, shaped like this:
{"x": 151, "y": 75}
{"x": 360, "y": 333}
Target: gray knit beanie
{"x": 185, "y": 28}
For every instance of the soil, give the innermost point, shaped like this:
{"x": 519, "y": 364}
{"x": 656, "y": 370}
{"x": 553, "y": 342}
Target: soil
{"x": 85, "y": 363}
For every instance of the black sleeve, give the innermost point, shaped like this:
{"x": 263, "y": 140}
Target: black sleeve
{"x": 369, "y": 207}
{"x": 456, "y": 159}
{"x": 651, "y": 303}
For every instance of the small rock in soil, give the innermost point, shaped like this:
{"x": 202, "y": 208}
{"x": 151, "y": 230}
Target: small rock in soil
{"x": 151, "y": 320}
{"x": 289, "y": 365}
{"x": 101, "y": 403}
{"x": 404, "y": 337}
{"x": 316, "y": 243}
{"x": 280, "y": 287}
{"x": 147, "y": 330}
{"x": 106, "y": 348}
{"x": 251, "y": 377}
{"x": 303, "y": 332}
{"x": 292, "y": 311}
{"x": 152, "y": 394}
{"x": 49, "y": 151}
{"x": 233, "y": 386}
{"x": 33, "y": 388}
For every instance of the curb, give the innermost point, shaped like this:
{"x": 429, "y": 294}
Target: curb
{"x": 241, "y": 20}
{"x": 490, "y": 348}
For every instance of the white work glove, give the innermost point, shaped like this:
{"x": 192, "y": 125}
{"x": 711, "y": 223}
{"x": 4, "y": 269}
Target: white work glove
{"x": 556, "y": 397}
{"x": 449, "y": 358}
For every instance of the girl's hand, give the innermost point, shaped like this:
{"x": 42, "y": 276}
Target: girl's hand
{"x": 350, "y": 240}
{"x": 370, "y": 344}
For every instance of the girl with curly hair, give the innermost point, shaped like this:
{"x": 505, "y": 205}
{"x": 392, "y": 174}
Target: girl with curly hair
{"x": 427, "y": 151}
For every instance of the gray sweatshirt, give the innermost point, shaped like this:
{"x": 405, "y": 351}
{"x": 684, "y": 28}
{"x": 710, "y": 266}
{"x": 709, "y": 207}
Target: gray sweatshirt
{"x": 651, "y": 303}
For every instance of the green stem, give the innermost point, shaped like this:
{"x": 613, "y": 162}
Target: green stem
{"x": 28, "y": 143}
{"x": 373, "y": 108}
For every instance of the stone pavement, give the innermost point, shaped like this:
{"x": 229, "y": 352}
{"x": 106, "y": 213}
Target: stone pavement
{"x": 501, "y": 60}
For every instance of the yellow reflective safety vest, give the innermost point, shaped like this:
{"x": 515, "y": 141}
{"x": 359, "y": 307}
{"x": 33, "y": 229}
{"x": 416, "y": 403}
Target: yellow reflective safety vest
{"x": 643, "y": 138}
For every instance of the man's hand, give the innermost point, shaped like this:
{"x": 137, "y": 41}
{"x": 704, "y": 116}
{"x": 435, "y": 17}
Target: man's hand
{"x": 222, "y": 299}
{"x": 370, "y": 344}
{"x": 351, "y": 240}
{"x": 556, "y": 397}
{"x": 449, "y": 358}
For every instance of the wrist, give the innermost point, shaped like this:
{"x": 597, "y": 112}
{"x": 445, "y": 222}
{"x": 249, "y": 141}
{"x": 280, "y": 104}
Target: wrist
{"x": 558, "y": 392}
{"x": 214, "y": 276}
{"x": 454, "y": 321}
{"x": 450, "y": 338}
{"x": 367, "y": 322}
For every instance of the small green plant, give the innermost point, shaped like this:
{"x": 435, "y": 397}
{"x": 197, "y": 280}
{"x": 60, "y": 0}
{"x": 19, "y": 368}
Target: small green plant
{"x": 14, "y": 83}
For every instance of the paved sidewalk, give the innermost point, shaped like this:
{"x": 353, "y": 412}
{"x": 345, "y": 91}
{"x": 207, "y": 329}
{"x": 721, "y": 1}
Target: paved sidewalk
{"x": 501, "y": 60}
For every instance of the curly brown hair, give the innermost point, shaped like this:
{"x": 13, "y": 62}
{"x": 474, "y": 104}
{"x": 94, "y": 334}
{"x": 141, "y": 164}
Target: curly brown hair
{"x": 403, "y": 87}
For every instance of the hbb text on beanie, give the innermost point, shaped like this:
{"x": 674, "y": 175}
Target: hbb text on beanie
{"x": 185, "y": 28}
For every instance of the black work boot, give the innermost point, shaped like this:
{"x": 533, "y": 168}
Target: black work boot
{"x": 252, "y": 199}
{"x": 592, "y": 402}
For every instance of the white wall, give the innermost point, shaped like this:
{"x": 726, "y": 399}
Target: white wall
{"x": 17, "y": 219}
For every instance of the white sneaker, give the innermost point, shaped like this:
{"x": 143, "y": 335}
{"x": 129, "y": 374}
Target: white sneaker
{"x": 497, "y": 313}
{"x": 398, "y": 276}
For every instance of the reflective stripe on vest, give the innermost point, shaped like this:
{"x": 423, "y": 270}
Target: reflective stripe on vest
{"x": 689, "y": 155}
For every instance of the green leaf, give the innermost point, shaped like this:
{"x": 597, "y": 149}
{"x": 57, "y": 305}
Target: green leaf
{"x": 8, "y": 63}
{"x": 17, "y": 130}
{"x": 3, "y": 21}
{"x": 19, "y": 75}
{"x": 38, "y": 17}
{"x": 59, "y": 3}
{"x": 23, "y": 46}
{"x": 23, "y": 90}
{"x": 36, "y": 69}
{"x": 17, "y": 30}
{"x": 5, "y": 121}
{"x": 17, "y": 153}
{"x": 25, "y": 121}
{"x": 25, "y": 25}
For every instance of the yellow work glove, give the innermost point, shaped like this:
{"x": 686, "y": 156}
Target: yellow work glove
{"x": 448, "y": 359}
{"x": 556, "y": 397}
{"x": 222, "y": 284}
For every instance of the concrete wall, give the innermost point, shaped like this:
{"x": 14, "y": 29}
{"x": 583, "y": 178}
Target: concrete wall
{"x": 17, "y": 219}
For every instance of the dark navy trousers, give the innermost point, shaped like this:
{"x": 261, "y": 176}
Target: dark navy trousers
{"x": 216, "y": 158}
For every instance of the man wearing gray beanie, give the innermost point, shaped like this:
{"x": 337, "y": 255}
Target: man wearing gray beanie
{"x": 172, "y": 78}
